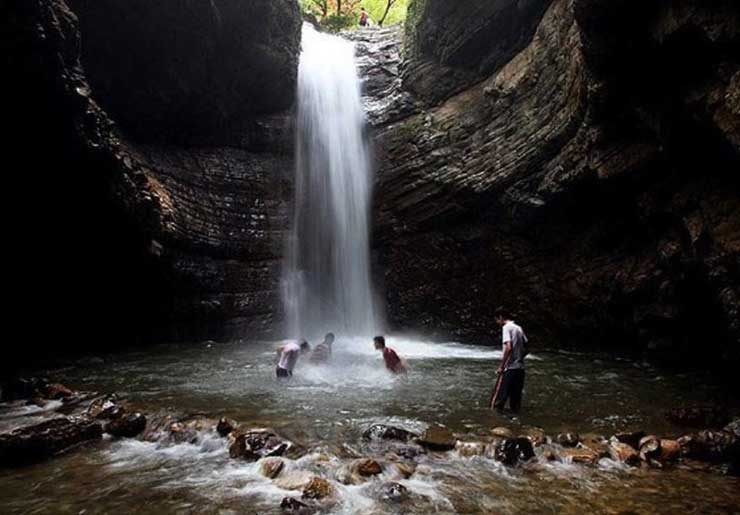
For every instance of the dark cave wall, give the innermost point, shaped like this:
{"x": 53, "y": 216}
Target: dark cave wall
{"x": 132, "y": 230}
{"x": 180, "y": 71}
{"x": 589, "y": 181}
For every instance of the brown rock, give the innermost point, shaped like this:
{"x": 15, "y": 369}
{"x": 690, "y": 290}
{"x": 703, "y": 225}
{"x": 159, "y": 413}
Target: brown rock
{"x": 670, "y": 450}
{"x": 596, "y": 443}
{"x": 318, "y": 488}
{"x": 631, "y": 439}
{"x": 623, "y": 452}
{"x": 535, "y": 435}
{"x": 271, "y": 467}
{"x": 580, "y": 455}
{"x": 502, "y": 432}
{"x": 406, "y": 469}
{"x": 438, "y": 438}
{"x": 367, "y": 467}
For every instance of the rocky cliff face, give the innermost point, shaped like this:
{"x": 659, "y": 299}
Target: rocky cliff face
{"x": 581, "y": 169}
{"x": 159, "y": 165}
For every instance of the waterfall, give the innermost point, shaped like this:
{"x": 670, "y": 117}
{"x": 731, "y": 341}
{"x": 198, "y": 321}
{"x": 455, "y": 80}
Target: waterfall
{"x": 326, "y": 283}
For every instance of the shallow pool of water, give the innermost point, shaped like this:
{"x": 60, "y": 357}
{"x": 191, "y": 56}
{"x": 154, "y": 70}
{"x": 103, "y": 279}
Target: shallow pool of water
{"x": 326, "y": 408}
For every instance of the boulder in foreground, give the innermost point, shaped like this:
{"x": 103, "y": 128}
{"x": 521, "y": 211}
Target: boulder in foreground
{"x": 47, "y": 439}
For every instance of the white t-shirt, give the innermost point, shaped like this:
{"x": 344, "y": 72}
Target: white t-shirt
{"x": 513, "y": 333}
{"x": 289, "y": 356}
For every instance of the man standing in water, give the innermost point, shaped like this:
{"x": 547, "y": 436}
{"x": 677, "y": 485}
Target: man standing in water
{"x": 322, "y": 352}
{"x": 392, "y": 361}
{"x": 288, "y": 355}
{"x": 510, "y": 381}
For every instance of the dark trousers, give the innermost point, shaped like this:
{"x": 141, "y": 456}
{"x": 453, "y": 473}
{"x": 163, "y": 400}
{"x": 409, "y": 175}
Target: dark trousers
{"x": 283, "y": 373}
{"x": 512, "y": 385}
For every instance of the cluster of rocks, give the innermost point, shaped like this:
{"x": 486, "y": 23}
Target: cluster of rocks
{"x": 41, "y": 441}
{"x": 700, "y": 449}
{"x": 387, "y": 456}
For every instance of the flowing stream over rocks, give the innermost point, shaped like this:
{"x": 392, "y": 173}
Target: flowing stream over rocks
{"x": 327, "y": 279}
{"x": 326, "y": 409}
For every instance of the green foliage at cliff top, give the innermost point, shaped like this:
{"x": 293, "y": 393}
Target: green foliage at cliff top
{"x": 350, "y": 13}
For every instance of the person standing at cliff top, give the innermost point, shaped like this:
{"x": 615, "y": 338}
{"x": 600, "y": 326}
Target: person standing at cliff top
{"x": 392, "y": 361}
{"x": 288, "y": 356}
{"x": 510, "y": 382}
{"x": 364, "y": 18}
{"x": 322, "y": 352}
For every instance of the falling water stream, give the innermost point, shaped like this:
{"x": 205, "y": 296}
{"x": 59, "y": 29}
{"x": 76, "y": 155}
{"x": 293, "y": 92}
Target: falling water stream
{"x": 327, "y": 282}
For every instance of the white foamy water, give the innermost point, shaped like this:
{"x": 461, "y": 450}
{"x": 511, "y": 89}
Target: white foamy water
{"x": 326, "y": 283}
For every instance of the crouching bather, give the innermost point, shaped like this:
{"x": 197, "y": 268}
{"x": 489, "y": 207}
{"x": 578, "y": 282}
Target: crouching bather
{"x": 288, "y": 356}
{"x": 392, "y": 361}
{"x": 322, "y": 352}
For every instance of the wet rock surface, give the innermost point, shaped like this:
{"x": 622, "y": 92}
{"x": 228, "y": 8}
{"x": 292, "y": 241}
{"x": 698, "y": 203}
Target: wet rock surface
{"x": 252, "y": 445}
{"x": 438, "y": 438}
{"x": 47, "y": 439}
{"x": 548, "y": 175}
{"x": 513, "y": 450}
{"x": 384, "y": 432}
{"x": 271, "y": 467}
{"x": 318, "y": 489}
{"x": 126, "y": 426}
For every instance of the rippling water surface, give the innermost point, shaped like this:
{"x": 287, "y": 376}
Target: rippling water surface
{"x": 326, "y": 408}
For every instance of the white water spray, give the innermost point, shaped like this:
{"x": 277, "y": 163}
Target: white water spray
{"x": 326, "y": 284}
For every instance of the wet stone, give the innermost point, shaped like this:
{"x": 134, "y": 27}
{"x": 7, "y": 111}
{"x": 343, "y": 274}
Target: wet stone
{"x": 255, "y": 444}
{"x": 105, "y": 408}
{"x": 127, "y": 425}
{"x": 513, "y": 450}
{"x": 632, "y": 439}
{"x": 535, "y": 435}
{"x": 384, "y": 432}
{"x": 438, "y": 438}
{"x": 406, "y": 469}
{"x": 624, "y": 453}
{"x": 367, "y": 467}
{"x": 318, "y": 488}
{"x": 47, "y": 439}
{"x": 670, "y": 450}
{"x": 502, "y": 432}
{"x": 395, "y": 492}
{"x": 580, "y": 455}
{"x": 291, "y": 505}
{"x": 225, "y": 426}
{"x": 271, "y": 467}
{"x": 597, "y": 444}
{"x": 649, "y": 448}
{"x": 568, "y": 439}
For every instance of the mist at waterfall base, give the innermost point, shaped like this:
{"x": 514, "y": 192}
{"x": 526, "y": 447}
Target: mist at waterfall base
{"x": 326, "y": 282}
